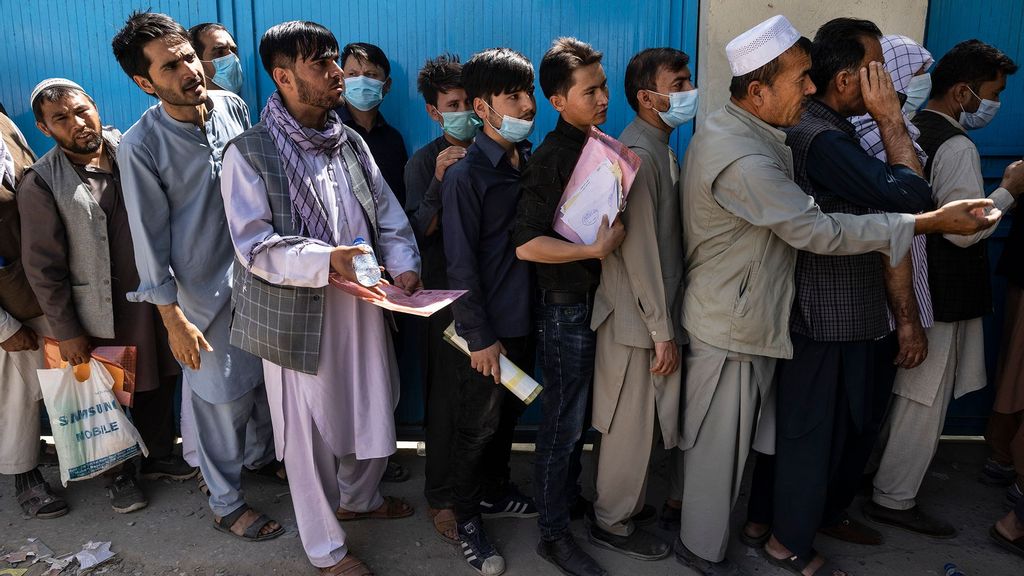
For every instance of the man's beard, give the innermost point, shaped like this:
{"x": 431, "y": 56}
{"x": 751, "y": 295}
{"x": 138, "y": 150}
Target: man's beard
{"x": 326, "y": 99}
{"x": 75, "y": 146}
{"x": 178, "y": 97}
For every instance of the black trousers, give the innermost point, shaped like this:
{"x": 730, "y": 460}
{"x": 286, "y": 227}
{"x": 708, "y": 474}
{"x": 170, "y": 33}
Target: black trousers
{"x": 486, "y": 415}
{"x": 439, "y": 362}
{"x": 832, "y": 399}
{"x": 152, "y": 413}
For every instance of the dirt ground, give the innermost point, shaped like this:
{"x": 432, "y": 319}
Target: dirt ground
{"x": 174, "y": 535}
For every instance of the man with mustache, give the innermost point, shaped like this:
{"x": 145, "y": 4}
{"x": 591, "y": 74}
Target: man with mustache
{"x": 170, "y": 163}
{"x": 77, "y": 254}
{"x": 301, "y": 191}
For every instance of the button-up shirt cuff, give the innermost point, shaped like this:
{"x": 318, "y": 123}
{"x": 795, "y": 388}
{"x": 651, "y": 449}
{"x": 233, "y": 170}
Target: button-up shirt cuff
{"x": 162, "y": 295}
{"x": 478, "y": 338}
{"x": 662, "y": 332}
{"x": 9, "y": 325}
{"x": 902, "y": 226}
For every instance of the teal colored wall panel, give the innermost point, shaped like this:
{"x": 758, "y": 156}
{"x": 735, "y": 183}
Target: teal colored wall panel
{"x": 997, "y": 22}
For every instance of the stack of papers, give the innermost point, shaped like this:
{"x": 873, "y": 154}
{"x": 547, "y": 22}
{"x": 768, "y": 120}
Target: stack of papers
{"x": 598, "y": 196}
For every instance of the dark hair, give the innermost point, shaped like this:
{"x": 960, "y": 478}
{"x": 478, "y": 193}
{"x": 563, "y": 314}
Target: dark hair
{"x": 196, "y": 32}
{"x": 286, "y": 42}
{"x": 838, "y": 46}
{"x": 367, "y": 53}
{"x": 439, "y": 74}
{"x": 496, "y": 71}
{"x": 973, "y": 62}
{"x": 565, "y": 56}
{"x": 140, "y": 29}
{"x": 765, "y": 74}
{"x": 642, "y": 70}
{"x": 55, "y": 94}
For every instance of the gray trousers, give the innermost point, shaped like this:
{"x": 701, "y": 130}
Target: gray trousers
{"x": 259, "y": 431}
{"x": 713, "y": 466}
{"x": 220, "y": 440}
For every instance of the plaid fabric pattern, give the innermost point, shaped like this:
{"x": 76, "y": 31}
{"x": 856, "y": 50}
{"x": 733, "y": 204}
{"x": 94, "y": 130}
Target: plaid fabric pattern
{"x": 283, "y": 324}
{"x": 838, "y": 298}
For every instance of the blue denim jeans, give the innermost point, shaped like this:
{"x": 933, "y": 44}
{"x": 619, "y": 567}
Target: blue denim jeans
{"x": 566, "y": 346}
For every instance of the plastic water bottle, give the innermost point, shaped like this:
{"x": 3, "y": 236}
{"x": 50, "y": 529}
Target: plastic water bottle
{"x": 952, "y": 570}
{"x": 365, "y": 264}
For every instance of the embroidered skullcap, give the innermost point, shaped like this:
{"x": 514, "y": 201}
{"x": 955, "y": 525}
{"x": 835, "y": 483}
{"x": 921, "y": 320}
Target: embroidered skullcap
{"x": 51, "y": 83}
{"x": 760, "y": 45}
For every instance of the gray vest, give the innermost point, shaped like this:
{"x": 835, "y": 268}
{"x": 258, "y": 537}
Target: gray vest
{"x": 282, "y": 324}
{"x": 85, "y": 224}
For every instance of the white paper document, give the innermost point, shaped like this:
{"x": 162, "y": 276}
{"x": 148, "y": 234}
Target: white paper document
{"x": 512, "y": 377}
{"x": 599, "y": 195}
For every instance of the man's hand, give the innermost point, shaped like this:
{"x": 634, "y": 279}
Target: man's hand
{"x": 341, "y": 263}
{"x": 961, "y": 217}
{"x": 1013, "y": 178}
{"x": 666, "y": 358}
{"x": 879, "y": 94}
{"x": 24, "y": 339}
{"x": 184, "y": 338}
{"x": 76, "y": 350}
{"x": 446, "y": 158}
{"x": 486, "y": 361}
{"x": 409, "y": 282}
{"x": 913, "y": 345}
{"x": 608, "y": 237}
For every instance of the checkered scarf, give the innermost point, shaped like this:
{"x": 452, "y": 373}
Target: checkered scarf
{"x": 903, "y": 58}
{"x": 292, "y": 140}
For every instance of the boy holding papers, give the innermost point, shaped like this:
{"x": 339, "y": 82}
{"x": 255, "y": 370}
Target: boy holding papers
{"x": 574, "y": 82}
{"x": 479, "y": 195}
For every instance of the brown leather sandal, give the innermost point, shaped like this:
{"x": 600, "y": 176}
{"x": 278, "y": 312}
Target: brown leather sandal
{"x": 348, "y": 566}
{"x": 445, "y": 524}
{"x": 391, "y": 509}
{"x": 40, "y": 497}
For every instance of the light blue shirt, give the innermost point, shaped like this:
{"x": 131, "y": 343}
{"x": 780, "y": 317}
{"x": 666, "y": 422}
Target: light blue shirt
{"x": 170, "y": 175}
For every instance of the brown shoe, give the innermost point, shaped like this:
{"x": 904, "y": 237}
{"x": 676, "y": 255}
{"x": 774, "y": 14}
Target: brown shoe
{"x": 348, "y": 566}
{"x": 850, "y": 530}
{"x": 391, "y": 509}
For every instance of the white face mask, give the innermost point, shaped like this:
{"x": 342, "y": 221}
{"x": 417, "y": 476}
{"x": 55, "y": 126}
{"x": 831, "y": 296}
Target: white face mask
{"x": 982, "y": 116}
{"x": 917, "y": 92}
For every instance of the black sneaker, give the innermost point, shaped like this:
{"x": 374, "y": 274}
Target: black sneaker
{"x": 513, "y": 505}
{"x": 641, "y": 544}
{"x": 173, "y": 467}
{"x": 125, "y": 494}
{"x": 477, "y": 550}
{"x": 569, "y": 558}
{"x": 996, "y": 474}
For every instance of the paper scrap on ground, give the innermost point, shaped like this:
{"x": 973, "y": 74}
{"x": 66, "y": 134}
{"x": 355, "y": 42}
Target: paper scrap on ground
{"x": 13, "y": 571}
{"x": 93, "y": 553}
{"x": 34, "y": 550}
{"x": 518, "y": 382}
{"x": 422, "y": 303}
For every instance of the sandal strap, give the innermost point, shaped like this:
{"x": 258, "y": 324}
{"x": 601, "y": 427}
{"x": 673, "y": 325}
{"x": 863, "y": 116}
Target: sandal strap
{"x": 257, "y": 525}
{"x": 348, "y": 566}
{"x": 36, "y": 497}
{"x": 229, "y": 520}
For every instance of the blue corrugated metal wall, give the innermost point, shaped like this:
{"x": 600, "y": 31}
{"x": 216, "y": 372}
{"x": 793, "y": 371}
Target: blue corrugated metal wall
{"x": 72, "y": 39}
{"x": 997, "y": 22}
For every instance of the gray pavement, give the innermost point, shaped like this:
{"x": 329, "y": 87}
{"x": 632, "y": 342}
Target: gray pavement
{"x": 174, "y": 535}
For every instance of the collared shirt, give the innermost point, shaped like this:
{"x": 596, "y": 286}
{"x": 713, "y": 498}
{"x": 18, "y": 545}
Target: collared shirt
{"x": 387, "y": 147}
{"x": 844, "y": 298}
{"x": 422, "y": 205}
{"x": 479, "y": 194}
{"x": 543, "y": 182}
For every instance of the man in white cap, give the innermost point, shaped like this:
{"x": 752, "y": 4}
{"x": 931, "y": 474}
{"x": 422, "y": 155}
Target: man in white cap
{"x": 743, "y": 219}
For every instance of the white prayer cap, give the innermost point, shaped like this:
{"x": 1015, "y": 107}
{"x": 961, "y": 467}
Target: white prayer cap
{"x": 760, "y": 45}
{"x": 51, "y": 83}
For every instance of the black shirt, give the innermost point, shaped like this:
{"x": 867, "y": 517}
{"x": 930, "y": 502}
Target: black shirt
{"x": 386, "y": 146}
{"x": 479, "y": 194}
{"x": 422, "y": 204}
{"x": 542, "y": 185}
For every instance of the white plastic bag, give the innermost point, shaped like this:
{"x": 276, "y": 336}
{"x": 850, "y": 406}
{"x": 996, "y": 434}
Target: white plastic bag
{"x": 90, "y": 430}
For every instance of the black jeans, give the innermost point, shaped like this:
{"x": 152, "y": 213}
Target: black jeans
{"x": 440, "y": 363}
{"x": 152, "y": 413}
{"x": 485, "y": 423}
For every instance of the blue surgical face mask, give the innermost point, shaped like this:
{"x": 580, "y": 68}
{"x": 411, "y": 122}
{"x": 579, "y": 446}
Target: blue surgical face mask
{"x": 917, "y": 92}
{"x": 460, "y": 125}
{"x": 363, "y": 93}
{"x": 512, "y": 129}
{"x": 682, "y": 107}
{"x": 982, "y": 116}
{"x": 228, "y": 72}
